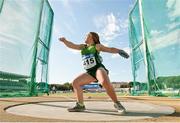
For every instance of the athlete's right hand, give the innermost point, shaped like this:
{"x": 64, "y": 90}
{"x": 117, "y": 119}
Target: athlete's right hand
{"x": 62, "y": 39}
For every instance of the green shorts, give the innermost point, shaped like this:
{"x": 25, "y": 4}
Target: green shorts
{"x": 92, "y": 71}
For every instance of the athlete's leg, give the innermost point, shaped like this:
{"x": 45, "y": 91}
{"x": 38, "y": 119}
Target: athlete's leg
{"x": 103, "y": 78}
{"x": 82, "y": 79}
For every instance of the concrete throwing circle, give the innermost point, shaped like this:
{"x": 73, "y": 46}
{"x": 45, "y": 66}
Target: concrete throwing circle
{"x": 96, "y": 111}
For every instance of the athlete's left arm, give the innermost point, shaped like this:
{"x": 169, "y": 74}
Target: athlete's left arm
{"x": 103, "y": 48}
{"x": 100, "y": 47}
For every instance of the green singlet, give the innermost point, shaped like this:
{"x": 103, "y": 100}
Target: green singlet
{"x": 91, "y": 60}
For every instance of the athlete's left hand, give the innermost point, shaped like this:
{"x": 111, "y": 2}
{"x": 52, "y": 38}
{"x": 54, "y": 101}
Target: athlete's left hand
{"x": 123, "y": 54}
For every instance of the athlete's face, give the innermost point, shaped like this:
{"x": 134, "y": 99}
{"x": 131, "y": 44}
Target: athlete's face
{"x": 89, "y": 39}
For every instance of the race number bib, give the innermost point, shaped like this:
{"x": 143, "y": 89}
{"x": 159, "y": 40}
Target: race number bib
{"x": 89, "y": 61}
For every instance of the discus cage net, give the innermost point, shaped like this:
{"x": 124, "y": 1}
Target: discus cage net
{"x": 154, "y": 33}
{"x": 25, "y": 36}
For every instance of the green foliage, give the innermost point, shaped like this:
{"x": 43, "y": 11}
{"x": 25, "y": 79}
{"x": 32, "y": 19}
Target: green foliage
{"x": 62, "y": 87}
{"x": 169, "y": 81}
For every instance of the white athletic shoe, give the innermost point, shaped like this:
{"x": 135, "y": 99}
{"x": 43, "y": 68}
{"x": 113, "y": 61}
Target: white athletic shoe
{"x": 119, "y": 108}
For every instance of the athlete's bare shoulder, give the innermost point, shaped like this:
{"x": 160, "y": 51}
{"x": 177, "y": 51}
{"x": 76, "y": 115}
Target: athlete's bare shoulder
{"x": 82, "y": 46}
{"x": 98, "y": 47}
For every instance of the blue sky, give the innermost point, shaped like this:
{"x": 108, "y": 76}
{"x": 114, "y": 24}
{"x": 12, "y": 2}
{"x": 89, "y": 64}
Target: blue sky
{"x": 73, "y": 19}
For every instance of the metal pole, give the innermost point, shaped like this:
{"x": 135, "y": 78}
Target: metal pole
{"x": 144, "y": 45}
{"x": 1, "y": 5}
{"x": 34, "y": 65}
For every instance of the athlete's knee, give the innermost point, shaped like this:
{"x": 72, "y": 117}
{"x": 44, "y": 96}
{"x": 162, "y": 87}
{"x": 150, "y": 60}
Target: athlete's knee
{"x": 104, "y": 82}
{"x": 75, "y": 83}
